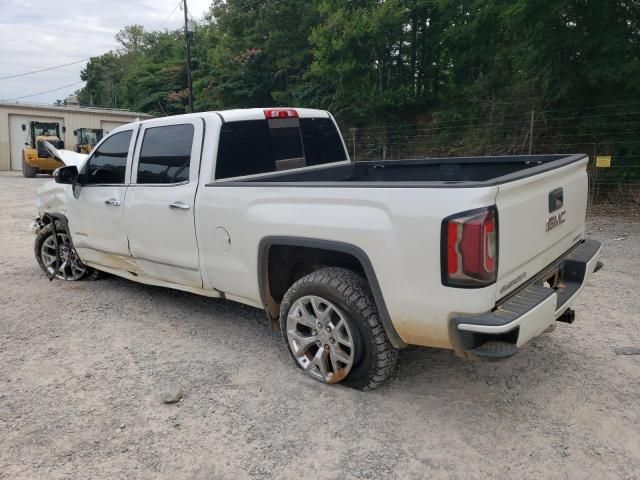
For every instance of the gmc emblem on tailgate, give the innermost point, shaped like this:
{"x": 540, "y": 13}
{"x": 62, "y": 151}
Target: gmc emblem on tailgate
{"x": 555, "y": 220}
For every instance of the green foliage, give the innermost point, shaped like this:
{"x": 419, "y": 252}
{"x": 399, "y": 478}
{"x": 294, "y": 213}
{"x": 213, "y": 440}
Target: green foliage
{"x": 381, "y": 61}
{"x": 451, "y": 77}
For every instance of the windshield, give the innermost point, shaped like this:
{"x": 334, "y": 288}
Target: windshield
{"x": 45, "y": 129}
{"x": 91, "y": 136}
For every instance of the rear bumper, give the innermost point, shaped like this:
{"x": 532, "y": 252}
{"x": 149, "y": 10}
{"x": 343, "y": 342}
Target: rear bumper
{"x": 499, "y": 333}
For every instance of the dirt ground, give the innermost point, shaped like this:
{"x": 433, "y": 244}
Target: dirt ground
{"x": 82, "y": 366}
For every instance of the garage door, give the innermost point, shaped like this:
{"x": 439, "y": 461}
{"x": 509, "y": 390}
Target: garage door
{"x": 107, "y": 125}
{"x": 18, "y": 137}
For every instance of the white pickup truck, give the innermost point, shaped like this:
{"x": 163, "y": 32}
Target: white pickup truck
{"x": 353, "y": 260}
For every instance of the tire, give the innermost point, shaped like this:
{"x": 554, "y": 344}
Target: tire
{"x": 28, "y": 171}
{"x": 347, "y": 295}
{"x": 78, "y": 271}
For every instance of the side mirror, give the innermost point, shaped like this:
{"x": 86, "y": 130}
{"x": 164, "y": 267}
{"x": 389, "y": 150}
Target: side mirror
{"x": 64, "y": 129}
{"x": 75, "y": 132}
{"x": 66, "y": 175}
{"x": 24, "y": 127}
{"x": 26, "y": 144}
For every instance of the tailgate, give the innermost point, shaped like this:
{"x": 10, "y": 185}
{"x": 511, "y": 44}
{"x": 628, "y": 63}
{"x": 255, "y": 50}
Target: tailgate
{"x": 540, "y": 218}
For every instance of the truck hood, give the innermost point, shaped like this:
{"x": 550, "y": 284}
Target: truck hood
{"x": 66, "y": 156}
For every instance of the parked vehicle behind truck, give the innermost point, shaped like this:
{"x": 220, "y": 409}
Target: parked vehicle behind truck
{"x": 35, "y": 157}
{"x": 353, "y": 260}
{"x": 87, "y": 138}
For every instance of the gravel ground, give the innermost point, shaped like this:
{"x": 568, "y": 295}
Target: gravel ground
{"x": 83, "y": 367}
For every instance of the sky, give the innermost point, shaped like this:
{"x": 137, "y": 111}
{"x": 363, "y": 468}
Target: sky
{"x": 37, "y": 34}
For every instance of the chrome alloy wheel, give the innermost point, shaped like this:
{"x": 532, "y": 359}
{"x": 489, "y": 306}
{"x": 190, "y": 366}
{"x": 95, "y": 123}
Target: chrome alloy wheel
{"x": 320, "y": 338}
{"x": 71, "y": 268}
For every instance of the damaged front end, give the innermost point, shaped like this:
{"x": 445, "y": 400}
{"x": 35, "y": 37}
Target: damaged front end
{"x": 57, "y": 223}
{"x": 54, "y": 249}
{"x": 36, "y": 226}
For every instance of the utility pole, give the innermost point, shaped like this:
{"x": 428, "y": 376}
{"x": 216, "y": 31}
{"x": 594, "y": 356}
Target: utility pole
{"x": 531, "y": 132}
{"x": 188, "y": 32}
{"x": 353, "y": 139}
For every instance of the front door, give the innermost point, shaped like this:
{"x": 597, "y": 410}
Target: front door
{"x": 159, "y": 206}
{"x": 96, "y": 216}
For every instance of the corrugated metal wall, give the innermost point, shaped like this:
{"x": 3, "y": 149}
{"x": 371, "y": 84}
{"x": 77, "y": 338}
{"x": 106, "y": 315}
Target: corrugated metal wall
{"x": 73, "y": 119}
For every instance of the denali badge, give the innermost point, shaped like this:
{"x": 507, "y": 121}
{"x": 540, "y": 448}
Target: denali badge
{"x": 513, "y": 282}
{"x": 555, "y": 220}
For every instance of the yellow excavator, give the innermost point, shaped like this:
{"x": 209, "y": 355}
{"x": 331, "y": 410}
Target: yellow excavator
{"x": 87, "y": 138}
{"x": 35, "y": 157}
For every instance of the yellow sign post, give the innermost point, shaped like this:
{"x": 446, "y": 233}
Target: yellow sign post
{"x": 603, "y": 161}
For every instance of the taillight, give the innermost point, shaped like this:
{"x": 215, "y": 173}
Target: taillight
{"x": 270, "y": 113}
{"x": 470, "y": 248}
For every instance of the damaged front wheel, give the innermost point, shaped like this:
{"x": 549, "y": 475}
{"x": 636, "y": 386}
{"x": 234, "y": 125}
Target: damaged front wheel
{"x": 66, "y": 265}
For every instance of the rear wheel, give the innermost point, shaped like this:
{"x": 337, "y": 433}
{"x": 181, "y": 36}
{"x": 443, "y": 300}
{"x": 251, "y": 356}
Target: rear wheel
{"x": 330, "y": 323}
{"x": 71, "y": 268}
{"x": 28, "y": 171}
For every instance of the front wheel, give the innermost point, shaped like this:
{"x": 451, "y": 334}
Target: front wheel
{"x": 71, "y": 268}
{"x": 28, "y": 171}
{"x": 330, "y": 324}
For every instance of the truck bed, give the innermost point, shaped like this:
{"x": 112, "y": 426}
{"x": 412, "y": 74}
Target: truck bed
{"x": 430, "y": 172}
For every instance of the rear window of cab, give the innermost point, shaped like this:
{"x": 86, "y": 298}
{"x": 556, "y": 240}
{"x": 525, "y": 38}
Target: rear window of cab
{"x": 252, "y": 147}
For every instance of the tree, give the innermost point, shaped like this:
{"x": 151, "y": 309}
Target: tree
{"x": 373, "y": 62}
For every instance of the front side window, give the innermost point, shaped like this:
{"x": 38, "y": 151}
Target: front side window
{"x": 165, "y": 155}
{"x": 108, "y": 163}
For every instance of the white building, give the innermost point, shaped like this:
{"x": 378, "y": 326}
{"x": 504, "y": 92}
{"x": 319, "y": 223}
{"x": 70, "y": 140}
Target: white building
{"x": 70, "y": 118}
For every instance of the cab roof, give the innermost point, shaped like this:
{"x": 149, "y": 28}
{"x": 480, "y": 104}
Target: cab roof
{"x": 239, "y": 114}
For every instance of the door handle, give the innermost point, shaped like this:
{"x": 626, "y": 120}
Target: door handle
{"x": 180, "y": 205}
{"x": 112, "y": 201}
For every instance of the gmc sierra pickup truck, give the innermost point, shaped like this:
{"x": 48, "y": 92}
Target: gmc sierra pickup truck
{"x": 352, "y": 260}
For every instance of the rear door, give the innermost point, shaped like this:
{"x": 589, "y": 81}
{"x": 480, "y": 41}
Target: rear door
{"x": 540, "y": 218}
{"x": 159, "y": 208}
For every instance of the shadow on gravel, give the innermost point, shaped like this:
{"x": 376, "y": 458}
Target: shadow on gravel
{"x": 420, "y": 371}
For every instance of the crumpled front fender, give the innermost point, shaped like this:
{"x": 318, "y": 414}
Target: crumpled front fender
{"x": 53, "y": 197}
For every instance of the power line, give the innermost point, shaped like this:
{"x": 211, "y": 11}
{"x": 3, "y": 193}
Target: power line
{"x": 482, "y": 119}
{"x": 42, "y": 93}
{"x": 242, "y": 12}
{"x": 44, "y": 69}
{"x": 498, "y": 129}
{"x": 172, "y": 12}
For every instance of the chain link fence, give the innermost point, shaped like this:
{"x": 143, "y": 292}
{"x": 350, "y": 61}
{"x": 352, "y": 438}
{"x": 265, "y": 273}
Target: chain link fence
{"x": 610, "y": 135}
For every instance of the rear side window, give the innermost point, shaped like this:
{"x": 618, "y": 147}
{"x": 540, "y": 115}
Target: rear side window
{"x": 165, "y": 154}
{"x": 108, "y": 163}
{"x": 262, "y": 146}
{"x": 244, "y": 149}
